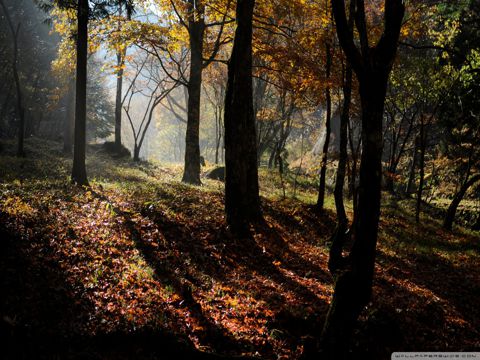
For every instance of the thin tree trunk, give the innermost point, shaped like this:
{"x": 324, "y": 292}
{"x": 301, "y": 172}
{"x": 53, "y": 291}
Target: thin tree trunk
{"x": 136, "y": 153}
{"x": 79, "y": 173}
{"x": 300, "y": 166}
{"x": 217, "y": 138}
{"x": 118, "y": 100}
{"x": 338, "y": 239}
{"x": 191, "y": 172}
{"x": 452, "y": 208}
{"x": 323, "y": 170}
{"x": 344, "y": 118}
{"x": 242, "y": 201}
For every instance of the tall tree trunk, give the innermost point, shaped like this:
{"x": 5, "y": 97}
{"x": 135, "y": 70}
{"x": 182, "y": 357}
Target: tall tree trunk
{"x": 242, "y": 200}
{"x": 79, "y": 173}
{"x": 422, "y": 169}
{"x": 118, "y": 101}
{"x": 452, "y": 208}
{"x": 218, "y": 132}
{"x": 69, "y": 120}
{"x": 191, "y": 172}
{"x": 323, "y": 170}
{"x": 342, "y": 220}
{"x": 344, "y": 118}
{"x": 353, "y": 285}
{"x": 338, "y": 238}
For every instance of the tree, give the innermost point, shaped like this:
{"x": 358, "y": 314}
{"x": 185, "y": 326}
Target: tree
{"x": 460, "y": 111}
{"x": 328, "y": 119}
{"x": 157, "y": 87}
{"x": 242, "y": 200}
{"x": 372, "y": 65}
{"x": 216, "y": 98}
{"x": 121, "y": 53}
{"x": 79, "y": 172}
{"x": 342, "y": 221}
{"x": 401, "y": 109}
{"x": 452, "y": 208}
{"x": 84, "y": 11}
{"x": 193, "y": 17}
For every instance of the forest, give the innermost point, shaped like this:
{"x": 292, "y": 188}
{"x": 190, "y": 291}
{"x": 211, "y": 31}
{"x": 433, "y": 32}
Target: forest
{"x": 239, "y": 179}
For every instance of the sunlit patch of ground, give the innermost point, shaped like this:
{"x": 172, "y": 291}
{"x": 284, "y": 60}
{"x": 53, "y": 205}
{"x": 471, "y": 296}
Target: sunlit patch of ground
{"x": 139, "y": 252}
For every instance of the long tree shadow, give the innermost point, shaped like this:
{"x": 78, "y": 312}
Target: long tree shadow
{"x": 455, "y": 285}
{"x": 172, "y": 273}
{"x": 431, "y": 237}
{"x": 221, "y": 256}
{"x": 38, "y": 308}
{"x": 45, "y": 316}
{"x": 321, "y": 225}
{"x": 421, "y": 302}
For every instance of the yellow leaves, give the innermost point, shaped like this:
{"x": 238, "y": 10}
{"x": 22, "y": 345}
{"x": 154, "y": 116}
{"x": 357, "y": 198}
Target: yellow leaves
{"x": 15, "y": 206}
{"x": 231, "y": 302}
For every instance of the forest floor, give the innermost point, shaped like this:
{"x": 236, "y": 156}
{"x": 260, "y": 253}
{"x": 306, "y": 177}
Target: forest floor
{"x": 141, "y": 266}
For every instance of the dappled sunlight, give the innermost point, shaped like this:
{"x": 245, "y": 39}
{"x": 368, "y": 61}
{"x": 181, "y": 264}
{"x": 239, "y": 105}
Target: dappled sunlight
{"x": 248, "y": 179}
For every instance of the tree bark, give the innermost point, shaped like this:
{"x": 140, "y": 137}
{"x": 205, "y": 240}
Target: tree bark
{"x": 118, "y": 101}
{"x": 326, "y": 144}
{"x": 79, "y": 173}
{"x": 191, "y": 172}
{"x": 218, "y": 133}
{"x": 136, "y": 153}
{"x": 452, "y": 208}
{"x": 338, "y": 238}
{"x": 353, "y": 285}
{"x": 242, "y": 201}
{"x": 342, "y": 220}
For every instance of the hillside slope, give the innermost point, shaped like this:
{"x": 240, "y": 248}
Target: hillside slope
{"x": 140, "y": 265}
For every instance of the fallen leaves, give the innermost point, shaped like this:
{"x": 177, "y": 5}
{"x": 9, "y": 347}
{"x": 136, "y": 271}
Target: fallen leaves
{"x": 157, "y": 255}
